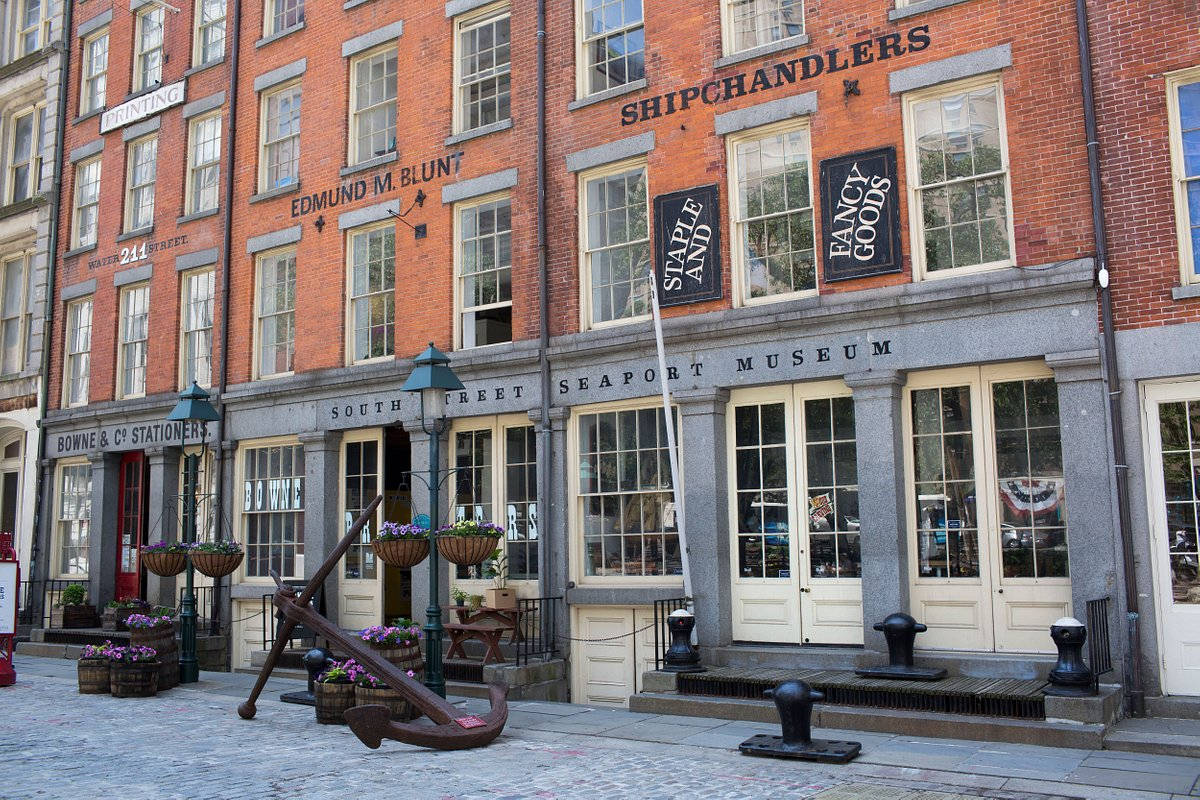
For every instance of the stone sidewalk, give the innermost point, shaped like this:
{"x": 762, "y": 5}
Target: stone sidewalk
{"x": 190, "y": 743}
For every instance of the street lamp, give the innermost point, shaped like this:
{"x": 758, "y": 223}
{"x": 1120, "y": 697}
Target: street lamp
{"x": 432, "y": 377}
{"x": 193, "y": 406}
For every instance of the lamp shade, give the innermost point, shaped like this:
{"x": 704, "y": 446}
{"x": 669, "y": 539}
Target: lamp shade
{"x": 431, "y": 370}
{"x": 193, "y": 405}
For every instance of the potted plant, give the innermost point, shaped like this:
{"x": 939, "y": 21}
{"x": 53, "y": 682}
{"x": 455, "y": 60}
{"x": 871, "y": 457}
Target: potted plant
{"x": 117, "y": 611}
{"x": 401, "y": 545}
{"x": 93, "y": 668}
{"x": 499, "y": 596}
{"x": 217, "y": 559}
{"x": 158, "y": 632}
{"x": 334, "y": 691}
{"x": 76, "y": 612}
{"x": 459, "y": 596}
{"x": 399, "y": 643}
{"x": 165, "y": 558}
{"x": 467, "y": 541}
{"x": 369, "y": 690}
{"x": 133, "y": 671}
{"x": 474, "y": 601}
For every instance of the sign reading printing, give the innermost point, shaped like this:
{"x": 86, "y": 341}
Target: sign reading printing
{"x": 687, "y": 253}
{"x": 860, "y": 214}
{"x": 143, "y": 106}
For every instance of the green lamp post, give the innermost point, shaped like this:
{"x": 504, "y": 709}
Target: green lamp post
{"x": 193, "y": 406}
{"x": 432, "y": 377}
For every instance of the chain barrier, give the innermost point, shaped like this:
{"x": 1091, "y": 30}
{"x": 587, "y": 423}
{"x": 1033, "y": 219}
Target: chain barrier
{"x": 605, "y": 638}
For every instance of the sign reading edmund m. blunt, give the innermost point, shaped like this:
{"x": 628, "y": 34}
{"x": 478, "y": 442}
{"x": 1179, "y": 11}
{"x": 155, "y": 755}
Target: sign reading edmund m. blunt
{"x": 687, "y": 256}
{"x": 860, "y": 214}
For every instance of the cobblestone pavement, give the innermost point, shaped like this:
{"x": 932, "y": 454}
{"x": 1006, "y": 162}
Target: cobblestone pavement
{"x": 190, "y": 743}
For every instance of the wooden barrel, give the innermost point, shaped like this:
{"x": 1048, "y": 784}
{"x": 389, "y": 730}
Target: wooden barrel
{"x": 405, "y": 658}
{"x": 332, "y": 701}
{"x": 93, "y": 676}
{"x": 384, "y": 696}
{"x": 133, "y": 680}
{"x": 162, "y": 639}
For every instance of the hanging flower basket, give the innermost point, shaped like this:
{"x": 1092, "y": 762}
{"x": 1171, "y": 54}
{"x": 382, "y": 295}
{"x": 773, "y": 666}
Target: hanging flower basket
{"x": 402, "y": 546}
{"x": 164, "y": 564}
{"x": 468, "y": 542}
{"x": 217, "y": 559}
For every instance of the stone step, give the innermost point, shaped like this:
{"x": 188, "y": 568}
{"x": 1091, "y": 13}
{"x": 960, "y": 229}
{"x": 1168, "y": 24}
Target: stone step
{"x": 1156, "y": 735}
{"x": 49, "y": 650}
{"x": 296, "y": 674}
{"x": 1173, "y": 707}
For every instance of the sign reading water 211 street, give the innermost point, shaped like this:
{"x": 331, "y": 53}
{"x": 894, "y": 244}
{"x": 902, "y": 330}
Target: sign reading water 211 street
{"x": 687, "y": 257}
{"x": 860, "y": 214}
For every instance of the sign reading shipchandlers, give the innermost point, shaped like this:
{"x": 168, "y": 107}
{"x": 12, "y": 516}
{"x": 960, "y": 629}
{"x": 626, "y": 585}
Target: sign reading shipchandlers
{"x": 860, "y": 214}
{"x": 687, "y": 252}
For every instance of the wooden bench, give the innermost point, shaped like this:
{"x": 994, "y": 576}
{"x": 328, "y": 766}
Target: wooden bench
{"x": 488, "y": 634}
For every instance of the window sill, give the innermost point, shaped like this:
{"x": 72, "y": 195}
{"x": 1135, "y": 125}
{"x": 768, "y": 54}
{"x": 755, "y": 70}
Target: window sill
{"x": 22, "y": 206}
{"x": 271, "y": 194}
{"x": 608, "y": 94}
{"x": 201, "y": 67}
{"x": 763, "y": 50}
{"x": 212, "y": 212}
{"x": 371, "y": 163}
{"x": 93, "y": 113}
{"x": 78, "y": 251}
{"x": 920, "y": 7}
{"x": 1188, "y": 292}
{"x": 136, "y": 233}
{"x": 275, "y": 37}
{"x": 475, "y": 133}
{"x": 349, "y": 4}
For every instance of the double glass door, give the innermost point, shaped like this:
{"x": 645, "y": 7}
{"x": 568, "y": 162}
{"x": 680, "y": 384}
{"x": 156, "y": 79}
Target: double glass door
{"x": 131, "y": 523}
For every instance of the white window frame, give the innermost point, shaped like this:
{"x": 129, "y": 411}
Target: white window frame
{"x": 350, "y": 320}
{"x": 124, "y": 343}
{"x": 276, "y": 12}
{"x": 460, "y": 307}
{"x": 88, "y": 78}
{"x": 241, "y": 575}
{"x": 583, "y": 64}
{"x": 912, "y": 168}
{"x": 59, "y": 474}
{"x": 37, "y": 115}
{"x": 187, "y": 334}
{"x": 141, "y": 76}
{"x": 145, "y": 187}
{"x": 266, "y": 146}
{"x": 1179, "y": 177}
{"x": 23, "y": 314}
{"x": 485, "y": 16}
{"x": 77, "y": 359}
{"x": 737, "y": 260}
{"x": 203, "y": 27}
{"x": 195, "y": 168}
{"x": 586, "y": 317}
{"x": 80, "y": 208}
{"x": 40, "y": 28}
{"x": 259, "y": 317}
{"x": 728, "y": 34}
{"x": 356, "y": 113}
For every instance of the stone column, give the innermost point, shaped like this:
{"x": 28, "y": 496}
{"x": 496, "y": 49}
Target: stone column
{"x": 703, "y": 462}
{"x": 163, "y": 514}
{"x": 879, "y": 429}
{"x": 321, "y": 526}
{"x": 102, "y": 545}
{"x": 554, "y": 539}
{"x": 44, "y": 561}
{"x": 419, "y": 442}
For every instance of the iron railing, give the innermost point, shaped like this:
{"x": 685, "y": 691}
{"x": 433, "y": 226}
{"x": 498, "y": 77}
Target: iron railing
{"x": 537, "y": 628}
{"x": 1099, "y": 644}
{"x": 299, "y": 633}
{"x": 25, "y": 608}
{"x": 51, "y": 595}
{"x": 662, "y": 636}
{"x": 206, "y": 612}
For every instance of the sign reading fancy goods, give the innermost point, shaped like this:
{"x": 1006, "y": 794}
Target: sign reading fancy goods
{"x": 860, "y": 214}
{"x": 687, "y": 257}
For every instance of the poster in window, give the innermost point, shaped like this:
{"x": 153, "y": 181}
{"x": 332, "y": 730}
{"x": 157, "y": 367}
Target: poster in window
{"x": 687, "y": 252}
{"x": 860, "y": 215}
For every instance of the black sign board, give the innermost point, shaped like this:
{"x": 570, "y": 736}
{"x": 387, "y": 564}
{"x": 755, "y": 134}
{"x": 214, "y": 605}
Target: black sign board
{"x": 860, "y": 214}
{"x": 687, "y": 256}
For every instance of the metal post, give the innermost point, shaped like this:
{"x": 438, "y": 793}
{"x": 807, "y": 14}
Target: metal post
{"x": 433, "y": 614}
{"x": 189, "y": 669}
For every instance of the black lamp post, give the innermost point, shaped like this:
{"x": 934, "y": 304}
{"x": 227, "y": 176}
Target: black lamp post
{"x": 193, "y": 406}
{"x": 432, "y": 377}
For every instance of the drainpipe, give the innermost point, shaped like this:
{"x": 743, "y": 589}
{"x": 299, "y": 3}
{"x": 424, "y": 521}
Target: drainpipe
{"x": 545, "y": 472}
{"x": 51, "y": 274}
{"x": 1135, "y": 695}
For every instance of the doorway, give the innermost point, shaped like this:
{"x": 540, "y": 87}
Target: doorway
{"x": 10, "y": 482}
{"x": 131, "y": 523}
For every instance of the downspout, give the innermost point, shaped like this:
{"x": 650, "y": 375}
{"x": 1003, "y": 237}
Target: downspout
{"x": 1134, "y": 693}
{"x": 545, "y": 471}
{"x": 64, "y": 75}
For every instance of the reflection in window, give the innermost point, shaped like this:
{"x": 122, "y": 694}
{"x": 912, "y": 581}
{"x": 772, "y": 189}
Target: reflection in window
{"x": 473, "y": 485}
{"x": 1179, "y": 424}
{"x": 520, "y": 502}
{"x": 832, "y": 472}
{"x": 273, "y": 510}
{"x": 373, "y": 292}
{"x": 360, "y": 483}
{"x": 618, "y": 246}
{"x": 760, "y": 440}
{"x": 74, "y": 519}
{"x": 944, "y": 467}
{"x": 759, "y": 22}
{"x": 614, "y": 43}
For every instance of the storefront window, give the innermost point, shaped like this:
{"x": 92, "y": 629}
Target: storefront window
{"x": 520, "y": 502}
{"x": 473, "y": 485}
{"x": 944, "y": 467}
{"x": 832, "y": 478}
{"x": 762, "y": 491}
{"x": 74, "y": 518}
{"x": 273, "y": 510}
{"x": 1179, "y": 424}
{"x": 360, "y": 485}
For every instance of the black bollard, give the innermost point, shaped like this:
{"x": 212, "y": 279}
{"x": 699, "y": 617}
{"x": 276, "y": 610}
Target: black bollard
{"x": 900, "y": 630}
{"x": 795, "y": 699}
{"x": 1070, "y": 677}
{"x": 314, "y": 662}
{"x": 681, "y": 656}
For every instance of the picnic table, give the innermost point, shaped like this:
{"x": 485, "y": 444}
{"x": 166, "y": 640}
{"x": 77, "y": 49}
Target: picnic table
{"x": 486, "y": 625}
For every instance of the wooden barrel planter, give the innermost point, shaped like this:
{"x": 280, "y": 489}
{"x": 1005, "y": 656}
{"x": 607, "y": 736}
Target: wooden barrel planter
{"x": 216, "y": 565}
{"x": 80, "y": 616}
{"x": 93, "y": 676}
{"x": 398, "y": 708}
{"x": 404, "y": 658}
{"x": 139, "y": 679}
{"x": 162, "y": 639}
{"x": 332, "y": 701}
{"x": 402, "y": 553}
{"x": 466, "y": 549}
{"x": 165, "y": 564}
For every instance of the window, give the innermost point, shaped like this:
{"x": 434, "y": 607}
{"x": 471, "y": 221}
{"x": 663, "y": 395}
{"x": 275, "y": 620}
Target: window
{"x": 280, "y": 138}
{"x": 131, "y": 370}
{"x": 625, "y": 500}
{"x": 283, "y": 15}
{"x": 93, "y": 83}
{"x": 273, "y": 510}
{"x": 772, "y": 249}
{"x": 958, "y": 179}
{"x": 210, "y": 32}
{"x": 14, "y": 321}
{"x": 485, "y": 273}
{"x": 613, "y": 45}
{"x": 1179, "y": 431}
{"x": 373, "y": 106}
{"x": 204, "y": 167}
{"x": 25, "y": 154}
{"x": 1184, "y": 116}
{"x": 360, "y": 484}
{"x": 73, "y": 514}
{"x": 31, "y": 27}
{"x": 372, "y": 293}
{"x": 276, "y": 313}
{"x": 87, "y": 202}
{"x": 78, "y": 352}
{"x": 483, "y": 71}
{"x": 197, "y": 323}
{"x": 752, "y": 23}
{"x": 148, "y": 48}
{"x": 616, "y": 258}
{"x": 139, "y": 183}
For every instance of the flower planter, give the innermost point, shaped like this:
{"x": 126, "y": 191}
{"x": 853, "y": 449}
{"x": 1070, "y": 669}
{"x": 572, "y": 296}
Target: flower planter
{"x": 332, "y": 701}
{"x": 216, "y": 565}
{"x": 466, "y": 550}
{"x": 162, "y": 639}
{"x": 398, "y": 708}
{"x": 79, "y": 617}
{"x": 403, "y": 658}
{"x": 403, "y": 553}
{"x": 94, "y": 676}
{"x": 165, "y": 564}
{"x": 139, "y": 679}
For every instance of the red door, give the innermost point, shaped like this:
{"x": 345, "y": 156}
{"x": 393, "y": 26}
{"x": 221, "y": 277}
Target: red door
{"x": 131, "y": 523}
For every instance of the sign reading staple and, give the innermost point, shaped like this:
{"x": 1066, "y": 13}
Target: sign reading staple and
{"x": 860, "y": 214}
{"x": 687, "y": 253}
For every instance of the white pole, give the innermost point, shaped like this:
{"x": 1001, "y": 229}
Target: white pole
{"x": 670, "y": 422}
